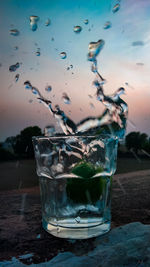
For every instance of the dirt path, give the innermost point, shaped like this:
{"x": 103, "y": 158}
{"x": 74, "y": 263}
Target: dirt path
{"x": 20, "y": 218}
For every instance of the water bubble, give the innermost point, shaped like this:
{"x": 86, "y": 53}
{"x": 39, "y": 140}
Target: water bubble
{"x": 47, "y": 22}
{"x": 63, "y": 55}
{"x": 33, "y": 22}
{"x": 78, "y": 219}
{"x": 107, "y": 25}
{"x": 86, "y": 21}
{"x": 27, "y": 85}
{"x": 116, "y": 8}
{"x": 77, "y": 29}
{"x": 66, "y": 98}
{"x": 68, "y": 68}
{"x": 14, "y": 67}
{"x": 48, "y": 88}
{"x": 17, "y": 77}
{"x": 14, "y": 32}
{"x": 94, "y": 48}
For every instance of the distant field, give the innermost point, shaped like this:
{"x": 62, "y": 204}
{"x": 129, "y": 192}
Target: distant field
{"x": 21, "y": 174}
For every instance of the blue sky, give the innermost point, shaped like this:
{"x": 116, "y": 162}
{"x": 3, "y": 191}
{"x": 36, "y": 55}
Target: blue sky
{"x": 117, "y": 62}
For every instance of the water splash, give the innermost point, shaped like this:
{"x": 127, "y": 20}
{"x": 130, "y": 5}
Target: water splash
{"x": 14, "y": 32}
{"x": 66, "y": 98}
{"x": 77, "y": 29}
{"x": 14, "y": 67}
{"x": 63, "y": 55}
{"x": 33, "y": 22}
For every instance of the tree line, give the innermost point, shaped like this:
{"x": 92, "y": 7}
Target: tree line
{"x": 20, "y": 146}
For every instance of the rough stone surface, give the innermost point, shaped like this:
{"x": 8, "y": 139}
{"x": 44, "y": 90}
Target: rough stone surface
{"x": 127, "y": 245}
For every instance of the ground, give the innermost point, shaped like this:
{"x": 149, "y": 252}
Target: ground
{"x": 21, "y": 231}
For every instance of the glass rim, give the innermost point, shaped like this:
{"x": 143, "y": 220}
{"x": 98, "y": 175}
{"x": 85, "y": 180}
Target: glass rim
{"x": 63, "y": 136}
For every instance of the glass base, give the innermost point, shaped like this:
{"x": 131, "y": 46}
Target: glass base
{"x": 83, "y": 231}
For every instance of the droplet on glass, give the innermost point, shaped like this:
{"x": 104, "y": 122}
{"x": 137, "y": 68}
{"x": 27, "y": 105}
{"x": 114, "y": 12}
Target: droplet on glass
{"x": 16, "y": 48}
{"x": 14, "y": 67}
{"x": 116, "y": 8}
{"x": 52, "y": 39}
{"x": 63, "y": 55}
{"x": 71, "y": 66}
{"x": 30, "y": 101}
{"x": 66, "y": 98}
{"x": 107, "y": 25}
{"x": 17, "y": 77}
{"x": 78, "y": 219}
{"x": 86, "y": 21}
{"x": 48, "y": 88}
{"x": 38, "y": 52}
{"x": 14, "y": 32}
{"x": 33, "y": 22}
{"x": 47, "y": 22}
{"x": 68, "y": 68}
{"x": 77, "y": 29}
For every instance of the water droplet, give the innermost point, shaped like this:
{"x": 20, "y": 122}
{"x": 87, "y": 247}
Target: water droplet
{"x": 14, "y": 32}
{"x": 107, "y": 25}
{"x": 30, "y": 101}
{"x": 48, "y": 88}
{"x": 140, "y": 64}
{"x": 14, "y": 67}
{"x": 86, "y": 21}
{"x": 63, "y": 55}
{"x": 66, "y": 98}
{"x": 16, "y": 48}
{"x": 77, "y": 29}
{"x": 17, "y": 77}
{"x": 78, "y": 219}
{"x": 52, "y": 39}
{"x": 49, "y": 130}
{"x": 90, "y": 96}
{"x": 116, "y": 8}
{"x": 92, "y": 105}
{"x": 38, "y": 52}
{"x": 58, "y": 230}
{"x": 94, "y": 48}
{"x": 33, "y": 22}
{"x": 47, "y": 22}
{"x": 71, "y": 66}
{"x": 27, "y": 85}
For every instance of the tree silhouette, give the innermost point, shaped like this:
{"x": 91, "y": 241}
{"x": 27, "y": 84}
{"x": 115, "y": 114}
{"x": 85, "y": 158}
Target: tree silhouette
{"x": 23, "y": 146}
{"x": 136, "y": 141}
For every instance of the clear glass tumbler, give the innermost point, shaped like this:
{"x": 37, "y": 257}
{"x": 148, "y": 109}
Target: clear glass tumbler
{"x": 75, "y": 177}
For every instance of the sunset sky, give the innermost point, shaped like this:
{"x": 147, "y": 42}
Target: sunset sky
{"x": 124, "y": 60}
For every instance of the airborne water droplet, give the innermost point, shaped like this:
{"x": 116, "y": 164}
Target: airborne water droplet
{"x": 33, "y": 22}
{"x": 116, "y": 8}
{"x": 14, "y": 67}
{"x": 30, "y": 101}
{"x": 107, "y": 25}
{"x": 77, "y": 29}
{"x": 38, "y": 53}
{"x": 63, "y": 55}
{"x": 48, "y": 88}
{"x": 27, "y": 85}
{"x": 66, "y": 98}
{"x": 48, "y": 22}
{"x": 17, "y": 77}
{"x": 86, "y": 21}
{"x": 14, "y": 32}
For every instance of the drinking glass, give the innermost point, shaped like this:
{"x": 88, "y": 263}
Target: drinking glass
{"x": 75, "y": 177}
